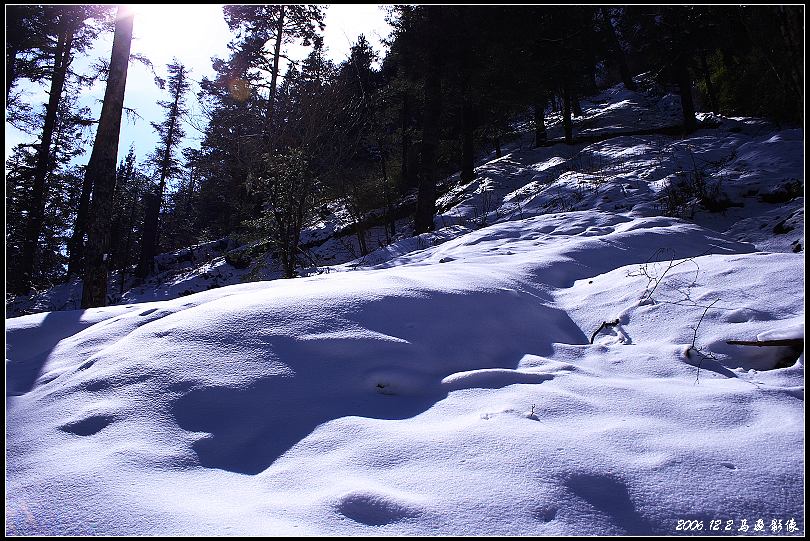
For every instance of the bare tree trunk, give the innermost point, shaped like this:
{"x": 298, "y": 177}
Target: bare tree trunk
{"x": 271, "y": 103}
{"x": 149, "y": 235}
{"x": 190, "y": 191}
{"x": 43, "y": 165}
{"x": 618, "y": 52}
{"x": 791, "y": 20}
{"x": 567, "y": 126}
{"x": 707, "y": 79}
{"x": 357, "y": 215}
{"x": 540, "y": 133}
{"x": 76, "y": 244}
{"x": 101, "y": 168}
{"x": 152, "y": 218}
{"x": 390, "y": 229}
{"x": 406, "y": 173}
{"x": 467, "y": 148}
{"x": 576, "y": 106}
{"x": 127, "y": 249}
{"x": 684, "y": 81}
{"x": 426, "y": 199}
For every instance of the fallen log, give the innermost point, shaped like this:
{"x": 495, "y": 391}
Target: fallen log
{"x": 790, "y": 342}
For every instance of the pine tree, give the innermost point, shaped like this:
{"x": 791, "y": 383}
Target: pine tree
{"x": 171, "y": 134}
{"x": 27, "y": 43}
{"x": 273, "y": 25}
{"x": 101, "y": 168}
{"x": 71, "y": 35}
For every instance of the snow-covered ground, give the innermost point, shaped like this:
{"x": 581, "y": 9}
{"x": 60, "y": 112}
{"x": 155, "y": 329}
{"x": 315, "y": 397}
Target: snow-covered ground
{"x": 553, "y": 359}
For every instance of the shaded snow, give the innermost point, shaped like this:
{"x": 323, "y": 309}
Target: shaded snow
{"x": 446, "y": 384}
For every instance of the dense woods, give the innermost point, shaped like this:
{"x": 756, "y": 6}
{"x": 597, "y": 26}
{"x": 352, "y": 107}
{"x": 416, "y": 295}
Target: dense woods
{"x": 285, "y": 141}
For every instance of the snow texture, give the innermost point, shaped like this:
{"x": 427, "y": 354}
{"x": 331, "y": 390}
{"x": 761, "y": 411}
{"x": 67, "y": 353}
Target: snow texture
{"x": 451, "y": 383}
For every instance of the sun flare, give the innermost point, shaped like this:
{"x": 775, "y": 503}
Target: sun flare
{"x": 165, "y": 30}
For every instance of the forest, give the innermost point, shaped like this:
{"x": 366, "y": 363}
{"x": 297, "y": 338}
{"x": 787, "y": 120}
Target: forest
{"x": 370, "y": 136}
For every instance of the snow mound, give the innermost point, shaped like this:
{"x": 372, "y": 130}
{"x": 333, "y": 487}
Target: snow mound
{"x": 557, "y": 358}
{"x": 420, "y": 397}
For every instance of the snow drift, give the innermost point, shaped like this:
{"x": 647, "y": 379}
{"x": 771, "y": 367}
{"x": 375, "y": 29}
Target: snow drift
{"x": 458, "y": 388}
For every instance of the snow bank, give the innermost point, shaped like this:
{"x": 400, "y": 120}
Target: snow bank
{"x": 424, "y": 398}
{"x": 554, "y": 359}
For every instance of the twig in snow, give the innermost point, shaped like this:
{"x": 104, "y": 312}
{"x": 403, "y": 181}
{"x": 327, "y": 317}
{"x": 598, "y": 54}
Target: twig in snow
{"x": 602, "y": 326}
{"x": 694, "y": 348}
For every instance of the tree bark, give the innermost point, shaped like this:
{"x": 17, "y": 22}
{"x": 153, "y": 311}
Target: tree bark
{"x": 271, "y": 102}
{"x": 101, "y": 168}
{"x": 36, "y": 211}
{"x": 707, "y": 79}
{"x": 621, "y": 59}
{"x": 152, "y": 217}
{"x": 76, "y": 244}
{"x": 467, "y": 148}
{"x": 684, "y": 82}
{"x": 540, "y": 133}
{"x": 127, "y": 248}
{"x": 190, "y": 190}
{"x": 567, "y": 125}
{"x": 406, "y": 181}
{"x": 390, "y": 229}
{"x": 576, "y": 106}
{"x": 149, "y": 236}
{"x": 426, "y": 198}
{"x": 790, "y": 342}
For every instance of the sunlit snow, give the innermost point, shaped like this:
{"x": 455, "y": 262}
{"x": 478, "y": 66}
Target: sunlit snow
{"x": 446, "y": 384}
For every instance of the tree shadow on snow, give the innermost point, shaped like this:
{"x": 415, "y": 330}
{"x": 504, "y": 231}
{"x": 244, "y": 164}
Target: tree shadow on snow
{"x": 610, "y": 496}
{"x": 250, "y": 428}
{"x": 386, "y": 359}
{"x": 28, "y": 348}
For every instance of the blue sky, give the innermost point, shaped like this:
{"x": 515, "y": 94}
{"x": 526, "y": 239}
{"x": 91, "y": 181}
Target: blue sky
{"x": 192, "y": 34}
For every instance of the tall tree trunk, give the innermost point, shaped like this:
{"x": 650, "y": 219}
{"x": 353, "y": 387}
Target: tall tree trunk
{"x": 576, "y": 107}
{"x": 567, "y": 125}
{"x": 43, "y": 165}
{"x": 390, "y": 229}
{"x": 190, "y": 191}
{"x": 101, "y": 167}
{"x": 271, "y": 102}
{"x": 467, "y": 148}
{"x": 127, "y": 249}
{"x": 426, "y": 198}
{"x": 684, "y": 81}
{"x": 166, "y": 161}
{"x": 76, "y": 243}
{"x": 707, "y": 79}
{"x": 618, "y": 52}
{"x": 540, "y": 133}
{"x": 791, "y": 20}
{"x": 152, "y": 219}
{"x": 151, "y": 204}
{"x": 357, "y": 215}
{"x": 361, "y": 238}
{"x": 406, "y": 173}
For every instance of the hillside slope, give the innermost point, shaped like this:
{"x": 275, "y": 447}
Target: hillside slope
{"x": 553, "y": 360}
